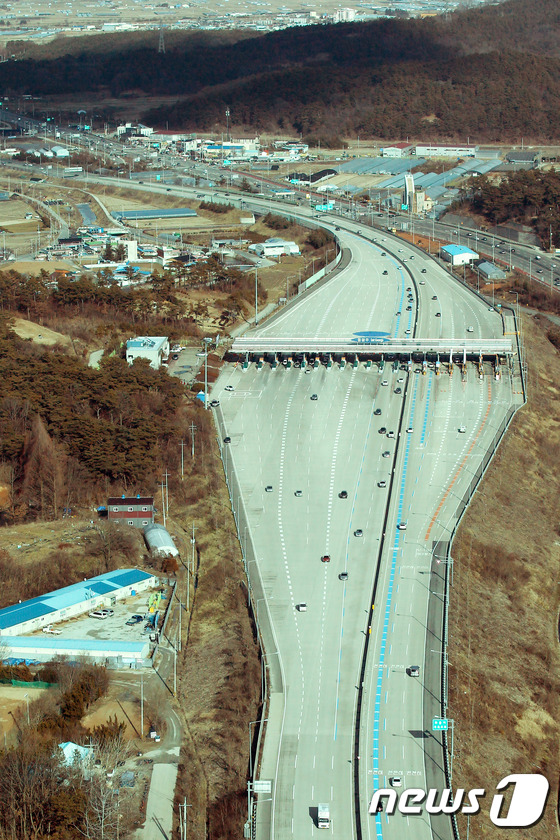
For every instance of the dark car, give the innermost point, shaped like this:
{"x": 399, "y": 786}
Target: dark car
{"x": 135, "y": 619}
{"x": 423, "y": 271}
{"x": 343, "y": 494}
{"x": 377, "y": 412}
{"x": 382, "y": 430}
{"x": 385, "y": 272}
{"x": 175, "y": 357}
{"x": 227, "y": 439}
{"x": 314, "y": 397}
{"x": 398, "y": 390}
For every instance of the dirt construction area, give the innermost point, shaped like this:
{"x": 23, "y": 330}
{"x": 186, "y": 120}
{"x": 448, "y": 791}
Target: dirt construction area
{"x": 39, "y": 334}
{"x": 13, "y": 698}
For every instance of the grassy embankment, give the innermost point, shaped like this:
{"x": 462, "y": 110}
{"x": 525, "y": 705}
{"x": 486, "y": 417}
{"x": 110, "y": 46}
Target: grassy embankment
{"x": 503, "y": 678}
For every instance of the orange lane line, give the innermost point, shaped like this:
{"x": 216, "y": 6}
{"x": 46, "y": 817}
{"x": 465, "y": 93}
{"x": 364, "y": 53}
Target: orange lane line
{"x": 461, "y": 465}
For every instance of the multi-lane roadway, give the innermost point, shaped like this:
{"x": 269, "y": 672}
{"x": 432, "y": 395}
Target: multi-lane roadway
{"x": 347, "y": 456}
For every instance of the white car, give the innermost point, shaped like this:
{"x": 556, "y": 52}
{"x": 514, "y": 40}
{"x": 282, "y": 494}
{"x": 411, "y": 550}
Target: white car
{"x": 395, "y": 781}
{"x": 229, "y": 388}
{"x": 470, "y": 329}
{"x": 385, "y": 382}
{"x": 462, "y": 430}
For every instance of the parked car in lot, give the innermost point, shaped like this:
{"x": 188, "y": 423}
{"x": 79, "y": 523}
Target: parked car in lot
{"x": 135, "y": 619}
{"x": 100, "y": 613}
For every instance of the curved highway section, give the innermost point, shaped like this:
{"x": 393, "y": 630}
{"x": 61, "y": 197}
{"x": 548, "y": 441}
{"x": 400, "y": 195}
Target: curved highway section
{"x": 332, "y": 462}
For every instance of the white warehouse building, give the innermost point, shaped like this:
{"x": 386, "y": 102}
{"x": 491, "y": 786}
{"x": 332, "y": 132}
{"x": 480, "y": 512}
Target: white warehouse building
{"x": 457, "y": 255}
{"x": 79, "y": 598}
{"x": 275, "y": 247}
{"x": 154, "y": 348}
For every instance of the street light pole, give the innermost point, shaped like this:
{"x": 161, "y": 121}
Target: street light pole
{"x": 256, "y": 296}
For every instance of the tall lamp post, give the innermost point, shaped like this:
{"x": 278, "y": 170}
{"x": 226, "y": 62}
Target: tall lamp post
{"x": 207, "y": 342}
{"x": 256, "y": 296}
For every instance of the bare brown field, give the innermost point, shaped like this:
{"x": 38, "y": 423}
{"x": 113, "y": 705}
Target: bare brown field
{"x": 504, "y": 661}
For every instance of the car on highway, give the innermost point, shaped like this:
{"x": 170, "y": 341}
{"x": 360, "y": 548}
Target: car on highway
{"x": 386, "y": 454}
{"x": 268, "y": 488}
{"x": 358, "y": 533}
{"x": 469, "y": 329}
{"x": 135, "y": 619}
{"x": 343, "y": 494}
{"x": 462, "y": 430}
{"x": 398, "y": 390}
{"x": 537, "y": 258}
{"x": 214, "y": 403}
{"x": 438, "y": 314}
{"x": 391, "y": 434}
{"x": 409, "y": 308}
{"x": 385, "y": 382}
{"x": 402, "y": 526}
{"x": 377, "y": 412}
{"x": 409, "y": 430}
{"x": 395, "y": 781}
{"x": 359, "y": 232}
{"x": 337, "y": 228}
{"x": 227, "y": 439}
{"x": 407, "y": 332}
{"x": 401, "y": 250}
{"x": 298, "y": 493}
{"x": 301, "y": 607}
{"x": 422, "y": 282}
{"x": 539, "y": 271}
{"x": 382, "y": 430}
{"x": 434, "y": 297}
{"x": 422, "y": 271}
{"x": 413, "y": 670}
{"x": 383, "y": 254}
{"x": 343, "y": 576}
{"x": 229, "y": 388}
{"x": 398, "y": 313}
{"x": 314, "y": 397}
{"x": 382, "y": 483}
{"x": 326, "y": 558}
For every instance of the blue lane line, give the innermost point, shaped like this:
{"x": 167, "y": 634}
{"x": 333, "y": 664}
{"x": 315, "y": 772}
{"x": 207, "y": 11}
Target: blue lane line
{"x": 425, "y": 423}
{"x": 379, "y": 684}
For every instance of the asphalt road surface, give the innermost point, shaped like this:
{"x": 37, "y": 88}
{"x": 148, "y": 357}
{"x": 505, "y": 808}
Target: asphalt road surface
{"x": 310, "y": 450}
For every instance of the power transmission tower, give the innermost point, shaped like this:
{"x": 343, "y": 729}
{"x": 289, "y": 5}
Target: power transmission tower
{"x": 161, "y": 46}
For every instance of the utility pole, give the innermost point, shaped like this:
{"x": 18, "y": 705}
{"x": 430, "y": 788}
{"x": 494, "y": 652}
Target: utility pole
{"x": 141, "y": 704}
{"x": 166, "y": 492}
{"x": 182, "y": 445}
{"x": 192, "y": 428}
{"x": 193, "y": 542}
{"x": 183, "y": 820}
{"x": 256, "y": 297}
{"x": 163, "y": 502}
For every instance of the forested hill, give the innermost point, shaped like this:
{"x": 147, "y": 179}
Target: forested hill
{"x": 491, "y": 73}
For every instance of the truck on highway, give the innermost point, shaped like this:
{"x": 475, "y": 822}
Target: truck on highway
{"x": 323, "y": 816}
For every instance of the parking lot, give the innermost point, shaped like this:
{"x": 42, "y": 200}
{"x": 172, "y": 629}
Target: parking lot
{"x": 114, "y": 627}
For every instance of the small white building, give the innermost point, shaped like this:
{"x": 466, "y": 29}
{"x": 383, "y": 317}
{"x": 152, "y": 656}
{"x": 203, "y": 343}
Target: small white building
{"x": 159, "y": 541}
{"x": 397, "y": 150}
{"x": 154, "y": 348}
{"x": 275, "y": 247}
{"x": 457, "y": 255}
{"x": 60, "y": 151}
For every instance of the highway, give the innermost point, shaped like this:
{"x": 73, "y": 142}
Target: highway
{"x": 308, "y": 451}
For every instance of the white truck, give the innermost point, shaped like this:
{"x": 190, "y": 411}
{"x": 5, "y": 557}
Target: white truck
{"x": 323, "y": 816}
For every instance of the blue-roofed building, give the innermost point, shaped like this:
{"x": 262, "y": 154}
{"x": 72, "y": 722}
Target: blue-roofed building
{"x": 458, "y": 255}
{"x": 97, "y": 592}
{"x": 146, "y": 215}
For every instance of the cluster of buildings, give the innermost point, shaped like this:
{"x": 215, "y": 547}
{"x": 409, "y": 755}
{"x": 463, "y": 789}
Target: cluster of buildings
{"x": 228, "y": 150}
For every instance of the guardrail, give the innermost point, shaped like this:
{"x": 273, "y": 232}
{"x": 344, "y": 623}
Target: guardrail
{"x": 461, "y": 507}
